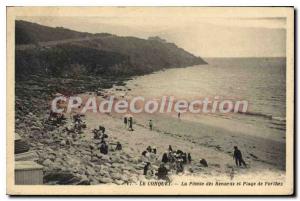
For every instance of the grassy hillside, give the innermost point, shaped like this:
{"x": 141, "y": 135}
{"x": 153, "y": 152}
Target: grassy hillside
{"x": 60, "y": 52}
{"x": 27, "y": 33}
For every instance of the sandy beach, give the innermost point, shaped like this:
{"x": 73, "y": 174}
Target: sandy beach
{"x": 264, "y": 157}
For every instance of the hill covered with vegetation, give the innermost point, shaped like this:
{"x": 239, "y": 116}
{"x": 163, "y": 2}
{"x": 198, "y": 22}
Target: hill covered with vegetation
{"x": 60, "y": 52}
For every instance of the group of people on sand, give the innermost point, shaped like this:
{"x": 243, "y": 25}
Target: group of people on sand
{"x": 149, "y": 156}
{"x": 162, "y": 171}
{"x": 172, "y": 161}
{"x": 99, "y": 134}
{"x": 75, "y": 128}
{"x": 128, "y": 122}
{"x": 176, "y": 159}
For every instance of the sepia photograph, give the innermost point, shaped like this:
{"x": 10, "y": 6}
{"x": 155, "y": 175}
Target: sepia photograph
{"x": 150, "y": 100}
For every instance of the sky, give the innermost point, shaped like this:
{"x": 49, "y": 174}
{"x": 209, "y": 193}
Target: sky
{"x": 202, "y": 36}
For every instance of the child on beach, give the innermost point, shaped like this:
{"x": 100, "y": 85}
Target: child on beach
{"x": 119, "y": 146}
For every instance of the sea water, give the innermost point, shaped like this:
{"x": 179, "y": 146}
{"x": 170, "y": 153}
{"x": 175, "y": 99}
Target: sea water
{"x": 260, "y": 81}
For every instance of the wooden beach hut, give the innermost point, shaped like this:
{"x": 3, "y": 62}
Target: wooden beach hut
{"x": 27, "y": 172}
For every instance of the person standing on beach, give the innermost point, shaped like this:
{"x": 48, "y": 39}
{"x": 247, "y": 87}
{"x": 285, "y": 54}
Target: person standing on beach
{"x": 125, "y": 122}
{"x": 150, "y": 124}
{"x": 189, "y": 157}
{"x": 184, "y": 158}
{"x": 237, "y": 155}
{"x": 130, "y": 123}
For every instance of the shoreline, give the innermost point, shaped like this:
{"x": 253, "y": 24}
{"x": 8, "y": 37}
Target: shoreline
{"x": 268, "y": 148}
{"x": 214, "y": 137}
{"x": 220, "y": 163}
{"x": 80, "y": 166}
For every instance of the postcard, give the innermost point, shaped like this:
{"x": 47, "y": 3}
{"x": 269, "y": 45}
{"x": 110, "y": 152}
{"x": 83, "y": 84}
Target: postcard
{"x": 150, "y": 100}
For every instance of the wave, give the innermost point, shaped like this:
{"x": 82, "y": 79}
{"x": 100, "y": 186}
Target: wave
{"x": 279, "y": 118}
{"x": 278, "y": 128}
{"x": 267, "y": 116}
